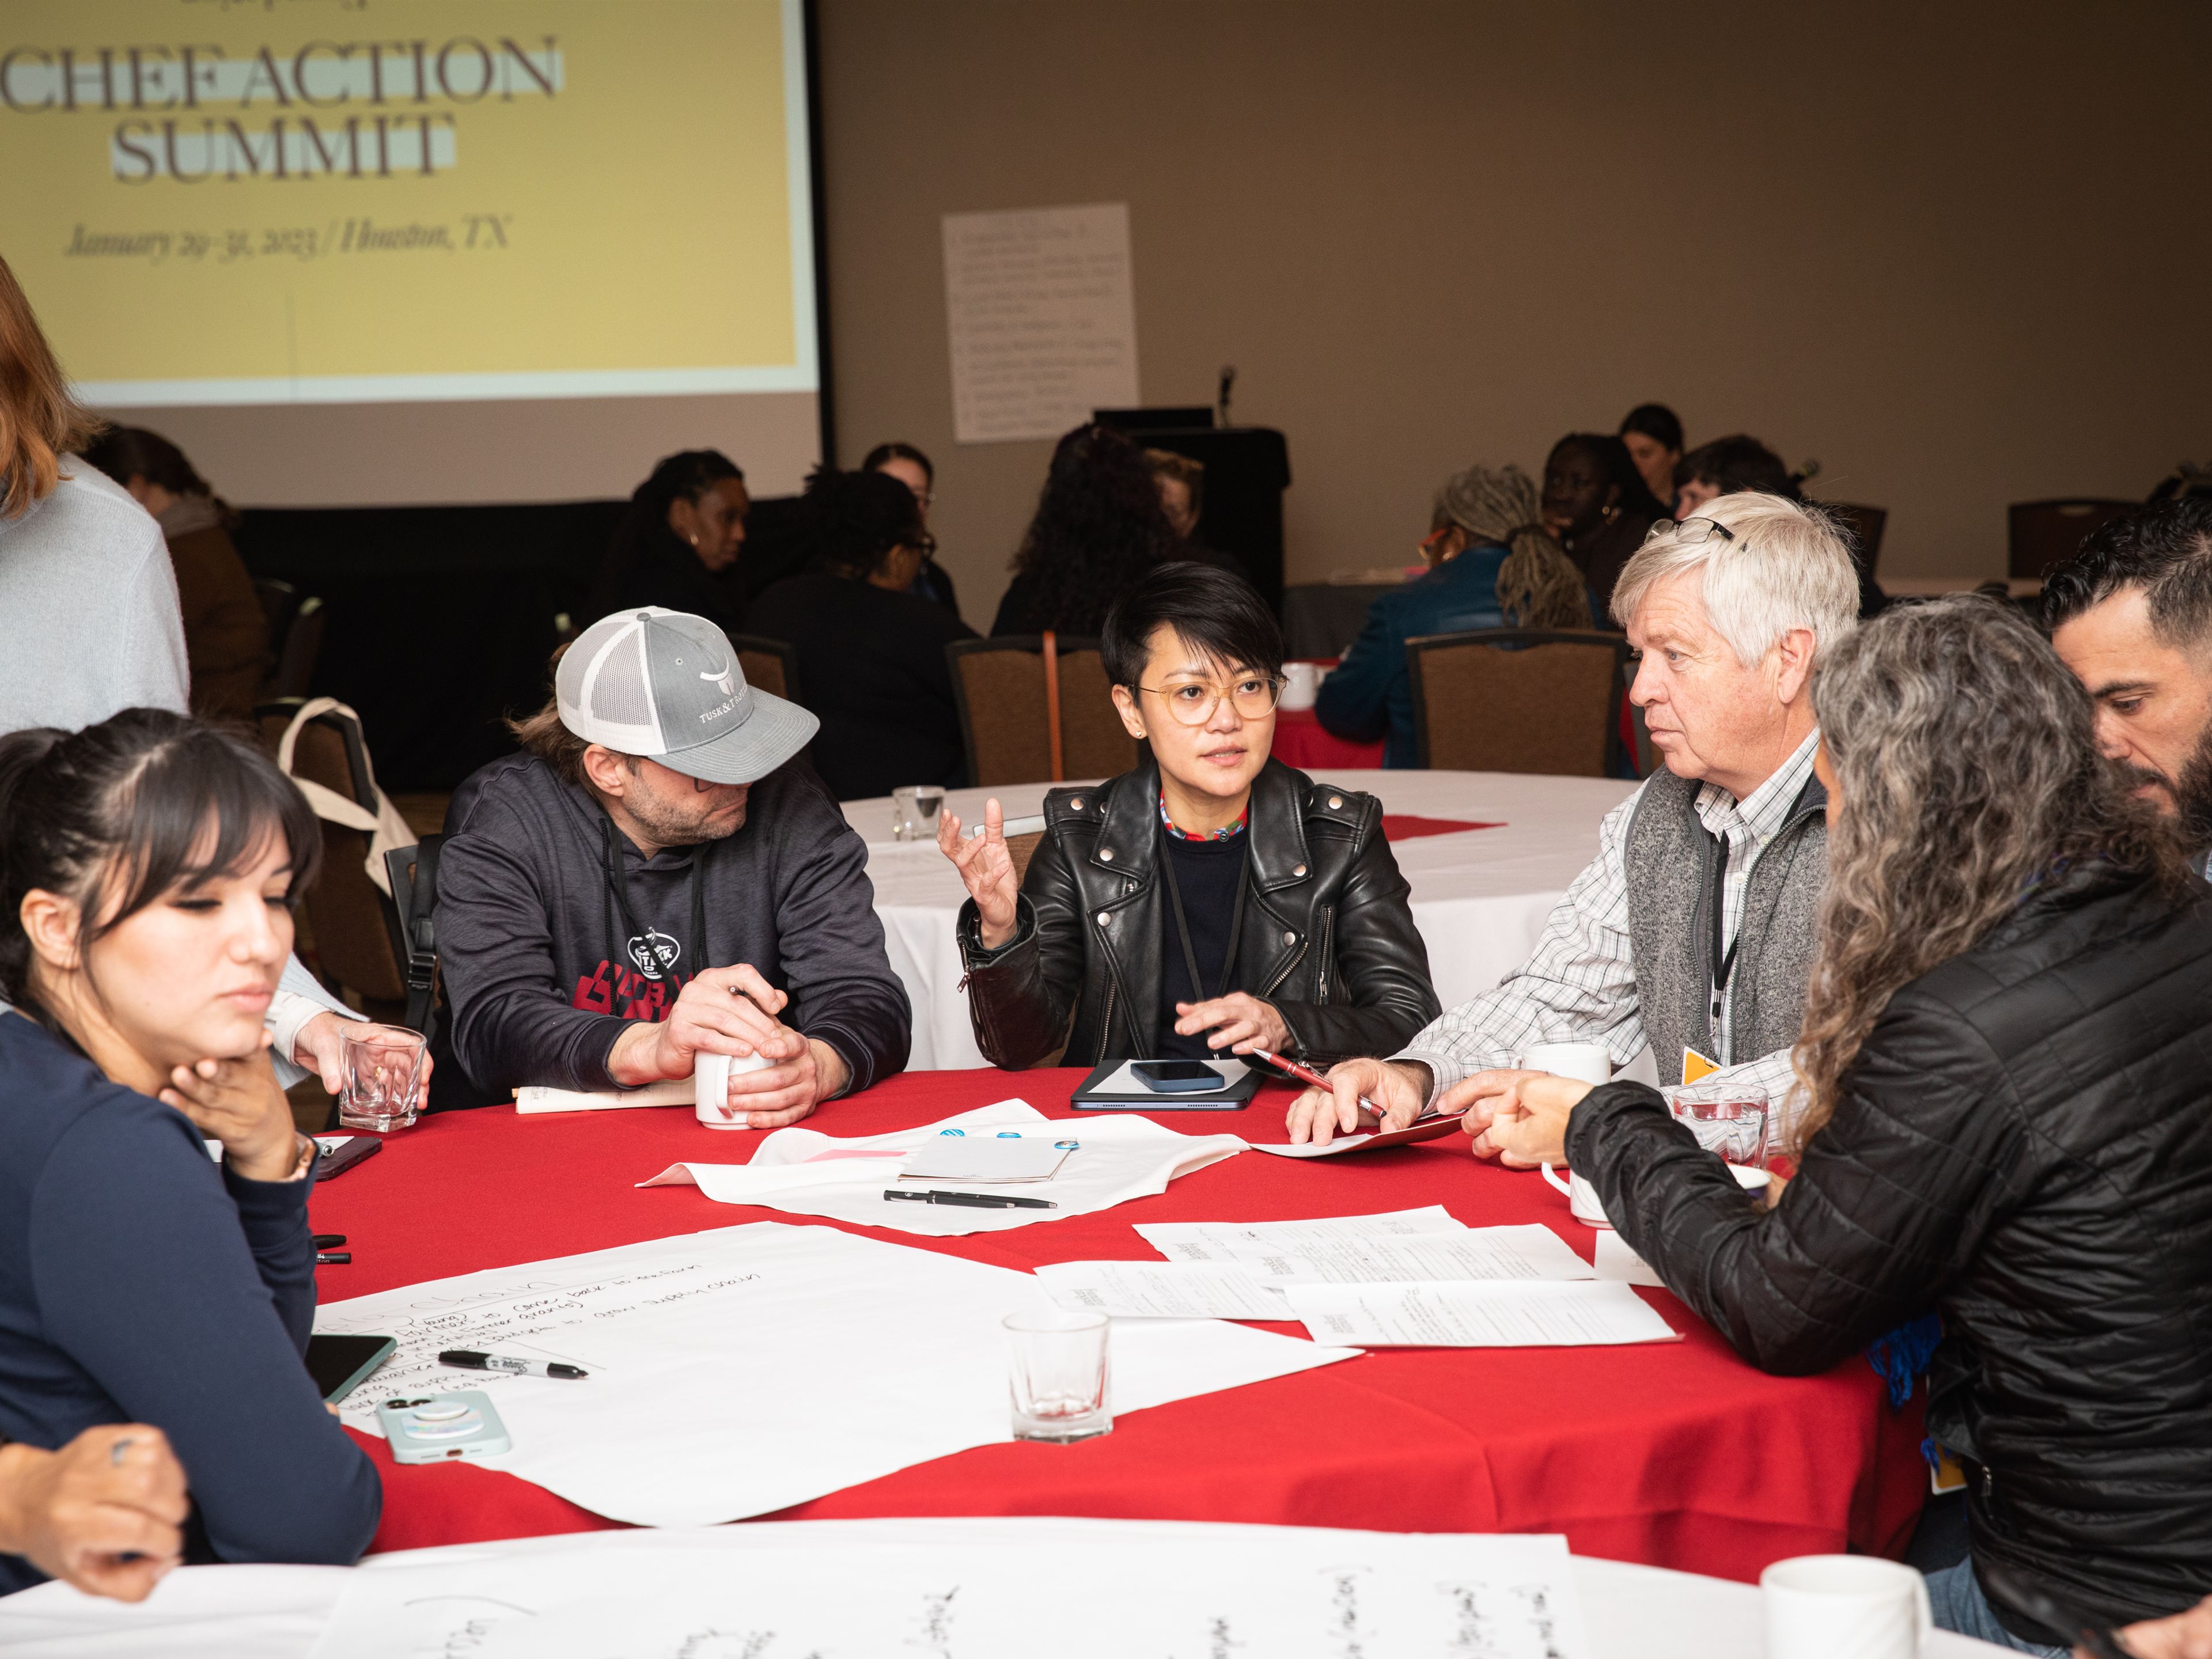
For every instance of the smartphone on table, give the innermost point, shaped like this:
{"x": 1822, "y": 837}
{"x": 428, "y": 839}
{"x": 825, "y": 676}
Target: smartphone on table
{"x": 430, "y": 1428}
{"x": 1178, "y": 1076}
{"x": 340, "y": 1365}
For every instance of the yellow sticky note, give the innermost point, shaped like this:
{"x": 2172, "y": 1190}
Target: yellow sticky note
{"x": 1695, "y": 1065}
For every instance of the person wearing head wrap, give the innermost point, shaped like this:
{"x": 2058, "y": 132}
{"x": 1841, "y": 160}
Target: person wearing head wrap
{"x": 1490, "y": 565}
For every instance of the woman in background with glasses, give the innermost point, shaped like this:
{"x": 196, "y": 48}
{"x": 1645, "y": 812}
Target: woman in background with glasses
{"x": 1210, "y": 901}
{"x": 912, "y": 469}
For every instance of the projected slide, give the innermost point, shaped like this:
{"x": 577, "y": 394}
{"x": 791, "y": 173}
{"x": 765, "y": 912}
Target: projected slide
{"x": 368, "y": 201}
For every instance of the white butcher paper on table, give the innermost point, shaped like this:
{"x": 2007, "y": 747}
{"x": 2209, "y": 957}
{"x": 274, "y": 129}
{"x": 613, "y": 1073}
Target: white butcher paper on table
{"x": 803, "y": 1171}
{"x": 1532, "y": 1251}
{"x": 742, "y": 1370}
{"x": 1478, "y": 1314}
{"x": 1209, "y": 1241}
{"x": 1161, "y": 1290}
{"x": 1010, "y": 1589}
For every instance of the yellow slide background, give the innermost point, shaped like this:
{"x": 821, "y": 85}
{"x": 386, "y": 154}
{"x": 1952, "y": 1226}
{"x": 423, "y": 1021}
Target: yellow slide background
{"x": 644, "y": 206}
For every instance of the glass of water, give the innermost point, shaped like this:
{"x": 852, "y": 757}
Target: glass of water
{"x": 1058, "y": 1381}
{"x": 914, "y": 809}
{"x": 383, "y": 1077}
{"x": 1730, "y": 1119}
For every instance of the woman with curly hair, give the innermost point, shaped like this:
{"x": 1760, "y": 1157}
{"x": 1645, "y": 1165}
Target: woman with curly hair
{"x": 1099, "y": 525}
{"x": 2004, "y": 1056}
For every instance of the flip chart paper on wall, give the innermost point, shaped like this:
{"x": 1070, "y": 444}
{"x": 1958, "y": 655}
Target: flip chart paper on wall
{"x": 803, "y": 1171}
{"x": 1042, "y": 322}
{"x": 977, "y": 1589}
{"x": 874, "y": 1356}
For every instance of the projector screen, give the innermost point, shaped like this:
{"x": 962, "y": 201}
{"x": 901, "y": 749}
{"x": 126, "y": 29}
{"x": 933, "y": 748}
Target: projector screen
{"x": 422, "y": 250}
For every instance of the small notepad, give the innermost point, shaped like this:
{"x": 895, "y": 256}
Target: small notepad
{"x": 987, "y": 1158}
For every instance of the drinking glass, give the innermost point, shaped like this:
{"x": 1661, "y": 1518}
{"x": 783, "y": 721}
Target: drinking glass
{"x": 1059, "y": 1376}
{"x": 1730, "y": 1119}
{"x": 383, "y": 1076}
{"x": 914, "y": 809}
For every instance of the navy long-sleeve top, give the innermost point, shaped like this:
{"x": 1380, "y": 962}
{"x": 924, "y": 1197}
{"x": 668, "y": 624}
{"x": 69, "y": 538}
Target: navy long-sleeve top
{"x": 140, "y": 1283}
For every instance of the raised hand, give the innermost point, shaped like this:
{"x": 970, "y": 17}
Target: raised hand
{"x": 988, "y": 868}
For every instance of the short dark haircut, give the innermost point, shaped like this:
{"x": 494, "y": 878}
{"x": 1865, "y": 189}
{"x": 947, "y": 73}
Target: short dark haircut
{"x": 1218, "y": 613}
{"x": 1736, "y": 464}
{"x": 143, "y": 804}
{"x": 1655, "y": 422}
{"x": 856, "y": 519}
{"x": 2166, "y": 549}
{"x": 898, "y": 451}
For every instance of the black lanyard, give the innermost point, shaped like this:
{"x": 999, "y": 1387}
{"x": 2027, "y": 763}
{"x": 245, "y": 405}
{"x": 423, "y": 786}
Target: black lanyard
{"x": 1723, "y": 962}
{"x": 1182, "y": 923}
{"x": 617, "y": 879}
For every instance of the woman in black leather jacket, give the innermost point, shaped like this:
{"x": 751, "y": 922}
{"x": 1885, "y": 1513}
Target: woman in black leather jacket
{"x": 1211, "y": 900}
{"x": 2006, "y": 1075}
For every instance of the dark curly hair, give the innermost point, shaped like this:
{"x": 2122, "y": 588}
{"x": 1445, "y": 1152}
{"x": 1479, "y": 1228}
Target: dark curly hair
{"x": 1098, "y": 526}
{"x": 856, "y": 519}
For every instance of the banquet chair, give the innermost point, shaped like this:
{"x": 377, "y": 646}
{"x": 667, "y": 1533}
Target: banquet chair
{"x": 1021, "y": 849}
{"x": 1518, "y": 700}
{"x": 355, "y": 927}
{"x": 771, "y": 665}
{"x": 1018, "y": 728}
{"x": 414, "y": 872}
{"x": 1865, "y": 525}
{"x": 302, "y": 645}
{"x": 2038, "y": 534}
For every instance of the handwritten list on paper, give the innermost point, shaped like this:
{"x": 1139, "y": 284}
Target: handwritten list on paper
{"x": 1041, "y": 316}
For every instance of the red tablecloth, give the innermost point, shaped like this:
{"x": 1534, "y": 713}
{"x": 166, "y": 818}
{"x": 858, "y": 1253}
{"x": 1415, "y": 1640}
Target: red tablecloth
{"x": 1300, "y": 741}
{"x": 1678, "y": 1455}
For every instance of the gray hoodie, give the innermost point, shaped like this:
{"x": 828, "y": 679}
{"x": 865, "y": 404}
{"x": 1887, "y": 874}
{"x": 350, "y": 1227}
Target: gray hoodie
{"x": 542, "y": 970}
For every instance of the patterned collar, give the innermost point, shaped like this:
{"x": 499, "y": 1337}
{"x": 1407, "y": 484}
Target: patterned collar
{"x": 1765, "y": 809}
{"x": 1229, "y": 832}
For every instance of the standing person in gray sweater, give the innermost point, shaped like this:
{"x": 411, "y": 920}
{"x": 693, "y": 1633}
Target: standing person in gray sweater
{"x": 656, "y": 877}
{"x": 1693, "y": 932}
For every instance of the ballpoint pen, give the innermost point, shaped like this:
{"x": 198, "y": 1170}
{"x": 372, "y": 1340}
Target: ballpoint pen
{"x": 973, "y": 1200}
{"x": 1306, "y": 1074}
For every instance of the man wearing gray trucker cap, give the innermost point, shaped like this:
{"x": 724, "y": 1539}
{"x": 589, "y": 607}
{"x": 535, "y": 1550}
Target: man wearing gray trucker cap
{"x": 657, "y": 876}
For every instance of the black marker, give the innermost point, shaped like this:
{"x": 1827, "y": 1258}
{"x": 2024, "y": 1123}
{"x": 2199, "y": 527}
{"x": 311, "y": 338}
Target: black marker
{"x": 973, "y": 1200}
{"x": 334, "y": 1258}
{"x": 469, "y": 1360}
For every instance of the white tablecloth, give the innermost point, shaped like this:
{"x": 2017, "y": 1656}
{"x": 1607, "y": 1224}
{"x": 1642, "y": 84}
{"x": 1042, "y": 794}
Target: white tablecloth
{"x": 278, "y": 1613}
{"x": 1480, "y": 896}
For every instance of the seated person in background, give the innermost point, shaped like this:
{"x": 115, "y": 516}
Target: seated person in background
{"x": 1596, "y": 506}
{"x": 1181, "y": 483}
{"x": 2005, "y": 1060}
{"x": 1212, "y": 900}
{"x": 1654, "y": 436}
{"x": 1729, "y": 466}
{"x": 147, "y": 868}
{"x": 1693, "y": 929}
{"x": 226, "y": 631}
{"x": 106, "y": 1514}
{"x": 912, "y": 468}
{"x": 1490, "y": 565}
{"x": 2131, "y": 615}
{"x": 1098, "y": 527}
{"x": 678, "y": 541}
{"x": 871, "y": 655}
{"x": 657, "y": 874}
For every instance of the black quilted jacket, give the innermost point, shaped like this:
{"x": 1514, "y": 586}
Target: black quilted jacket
{"x": 2025, "y": 1145}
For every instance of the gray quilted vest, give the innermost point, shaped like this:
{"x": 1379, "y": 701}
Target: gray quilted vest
{"x": 1673, "y": 863}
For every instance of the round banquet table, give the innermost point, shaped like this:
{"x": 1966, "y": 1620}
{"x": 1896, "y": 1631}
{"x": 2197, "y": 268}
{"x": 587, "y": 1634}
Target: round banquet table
{"x": 1480, "y": 895}
{"x": 1676, "y": 1454}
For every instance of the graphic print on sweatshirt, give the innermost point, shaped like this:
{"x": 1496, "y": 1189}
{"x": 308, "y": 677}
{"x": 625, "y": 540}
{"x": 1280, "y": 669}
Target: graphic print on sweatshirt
{"x": 628, "y": 991}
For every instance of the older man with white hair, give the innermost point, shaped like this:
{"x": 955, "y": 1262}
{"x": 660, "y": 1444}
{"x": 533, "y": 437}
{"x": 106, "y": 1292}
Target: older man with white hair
{"x": 1693, "y": 932}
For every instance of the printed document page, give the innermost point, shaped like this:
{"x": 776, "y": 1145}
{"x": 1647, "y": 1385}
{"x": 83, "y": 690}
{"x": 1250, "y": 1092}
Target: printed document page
{"x": 1532, "y": 1251}
{"x": 1162, "y": 1290}
{"x": 1478, "y": 1314}
{"x": 1209, "y": 1241}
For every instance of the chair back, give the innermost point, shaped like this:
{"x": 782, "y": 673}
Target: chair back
{"x": 1518, "y": 700}
{"x": 1006, "y": 716}
{"x": 1021, "y": 849}
{"x": 2038, "y": 534}
{"x": 771, "y": 664}
{"x": 303, "y": 644}
{"x": 1866, "y": 524}
{"x": 414, "y": 897}
{"x": 358, "y": 938}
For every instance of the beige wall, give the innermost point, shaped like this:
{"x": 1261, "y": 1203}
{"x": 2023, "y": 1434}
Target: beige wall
{"x": 1960, "y": 254}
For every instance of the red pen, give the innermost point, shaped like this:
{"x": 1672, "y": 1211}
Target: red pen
{"x": 1306, "y": 1074}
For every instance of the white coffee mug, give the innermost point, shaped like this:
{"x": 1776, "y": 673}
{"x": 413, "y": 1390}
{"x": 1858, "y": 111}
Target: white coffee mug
{"x": 710, "y": 1087}
{"x": 1586, "y": 1062}
{"x": 1843, "y": 1607}
{"x": 1301, "y": 682}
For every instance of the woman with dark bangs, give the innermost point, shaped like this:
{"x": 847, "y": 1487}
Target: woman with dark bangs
{"x": 147, "y": 868}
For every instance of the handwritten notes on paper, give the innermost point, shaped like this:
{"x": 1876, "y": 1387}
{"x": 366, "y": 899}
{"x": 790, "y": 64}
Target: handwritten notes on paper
{"x": 1041, "y": 317}
{"x": 960, "y": 1589}
{"x": 874, "y": 1357}
{"x": 1478, "y": 1314}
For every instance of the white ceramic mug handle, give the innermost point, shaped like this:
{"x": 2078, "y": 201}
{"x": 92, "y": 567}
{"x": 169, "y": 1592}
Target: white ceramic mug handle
{"x": 1556, "y": 1181}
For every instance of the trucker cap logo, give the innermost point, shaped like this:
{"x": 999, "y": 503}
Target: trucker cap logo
{"x": 723, "y": 682}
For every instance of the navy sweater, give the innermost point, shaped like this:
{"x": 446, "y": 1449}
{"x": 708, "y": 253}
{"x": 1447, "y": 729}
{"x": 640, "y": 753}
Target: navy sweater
{"x": 141, "y": 1283}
